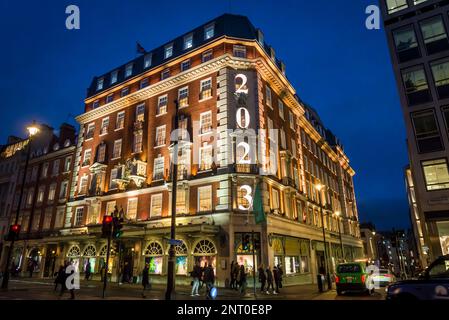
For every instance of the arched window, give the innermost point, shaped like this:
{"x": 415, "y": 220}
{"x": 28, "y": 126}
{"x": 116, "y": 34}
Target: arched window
{"x": 181, "y": 250}
{"x": 74, "y": 252}
{"x": 103, "y": 251}
{"x": 154, "y": 257}
{"x": 154, "y": 249}
{"x": 204, "y": 248}
{"x": 90, "y": 251}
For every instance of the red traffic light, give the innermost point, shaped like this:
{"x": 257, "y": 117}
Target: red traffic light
{"x": 15, "y": 228}
{"x": 107, "y": 219}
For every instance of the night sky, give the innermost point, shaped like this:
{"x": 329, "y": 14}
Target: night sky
{"x": 338, "y": 66}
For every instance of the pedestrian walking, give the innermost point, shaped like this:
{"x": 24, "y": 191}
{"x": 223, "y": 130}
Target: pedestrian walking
{"x": 59, "y": 280}
{"x": 145, "y": 280}
{"x": 88, "y": 271}
{"x": 64, "y": 284}
{"x": 281, "y": 273}
{"x": 262, "y": 278}
{"x": 235, "y": 272}
{"x": 196, "y": 274}
{"x": 209, "y": 279}
{"x": 232, "y": 284}
{"x": 276, "y": 279}
{"x": 243, "y": 283}
{"x": 269, "y": 280}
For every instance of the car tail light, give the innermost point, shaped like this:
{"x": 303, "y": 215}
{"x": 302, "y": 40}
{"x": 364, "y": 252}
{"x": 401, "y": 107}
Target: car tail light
{"x": 363, "y": 278}
{"x": 337, "y": 279}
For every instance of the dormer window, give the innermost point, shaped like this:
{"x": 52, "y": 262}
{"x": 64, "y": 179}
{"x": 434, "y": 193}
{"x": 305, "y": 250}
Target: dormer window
{"x": 100, "y": 84}
{"x": 168, "y": 52}
{"x": 114, "y": 76}
{"x": 209, "y": 31}
{"x": 147, "y": 60}
{"x": 188, "y": 41}
{"x": 128, "y": 70}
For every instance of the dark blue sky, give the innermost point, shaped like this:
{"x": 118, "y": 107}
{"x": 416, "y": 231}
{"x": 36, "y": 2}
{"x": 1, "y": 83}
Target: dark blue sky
{"x": 339, "y": 67}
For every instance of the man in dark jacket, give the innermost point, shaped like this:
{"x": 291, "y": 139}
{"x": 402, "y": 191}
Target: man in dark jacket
{"x": 209, "y": 279}
{"x": 145, "y": 280}
{"x": 276, "y": 276}
{"x": 196, "y": 275}
{"x": 269, "y": 280}
{"x": 262, "y": 278}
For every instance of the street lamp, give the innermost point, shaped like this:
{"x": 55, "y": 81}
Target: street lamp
{"x": 319, "y": 187}
{"x": 338, "y": 214}
{"x": 33, "y": 129}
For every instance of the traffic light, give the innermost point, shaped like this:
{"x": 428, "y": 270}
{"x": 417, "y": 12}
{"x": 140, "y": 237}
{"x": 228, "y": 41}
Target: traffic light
{"x": 107, "y": 227}
{"x": 13, "y": 233}
{"x": 117, "y": 230}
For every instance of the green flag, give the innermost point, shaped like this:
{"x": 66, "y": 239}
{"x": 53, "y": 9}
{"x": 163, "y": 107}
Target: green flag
{"x": 258, "y": 206}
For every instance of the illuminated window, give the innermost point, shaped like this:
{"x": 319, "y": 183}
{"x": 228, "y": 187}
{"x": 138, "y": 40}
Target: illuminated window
{"x": 112, "y": 182}
{"x": 132, "y": 208}
{"x": 209, "y": 31}
{"x": 79, "y": 216}
{"x": 47, "y": 219}
{"x": 181, "y": 201}
{"x": 158, "y": 168}
{"x": 162, "y": 105}
{"x": 156, "y": 205}
{"x": 160, "y": 136}
{"x": 104, "y": 126}
{"x": 117, "y": 151}
{"x": 206, "y": 122}
{"x": 138, "y": 139}
{"x": 114, "y": 75}
{"x": 40, "y": 194}
{"x": 90, "y": 131}
{"x": 100, "y": 83}
{"x": 275, "y": 199}
{"x": 396, "y": 5}
{"x": 183, "y": 97}
{"x": 436, "y": 174}
{"x": 205, "y": 199}
{"x": 206, "y": 157}
{"x": 128, "y": 70}
{"x": 63, "y": 190}
{"x": 140, "y": 112}
{"x": 101, "y": 156}
{"x": 120, "y": 123}
{"x": 206, "y": 89}
{"x": 86, "y": 160}
{"x": 147, "y": 60}
{"x": 188, "y": 41}
{"x": 51, "y": 193}
{"x": 168, "y": 51}
{"x": 83, "y": 185}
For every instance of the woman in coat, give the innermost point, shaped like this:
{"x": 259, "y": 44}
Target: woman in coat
{"x": 269, "y": 280}
{"x": 262, "y": 278}
{"x": 145, "y": 280}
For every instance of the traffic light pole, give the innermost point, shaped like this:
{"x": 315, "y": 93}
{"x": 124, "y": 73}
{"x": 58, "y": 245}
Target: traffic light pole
{"x": 106, "y": 268}
{"x": 11, "y": 246}
{"x": 171, "y": 253}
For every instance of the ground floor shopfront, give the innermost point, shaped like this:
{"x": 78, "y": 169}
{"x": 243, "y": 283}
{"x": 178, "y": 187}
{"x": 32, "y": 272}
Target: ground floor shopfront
{"x": 218, "y": 240}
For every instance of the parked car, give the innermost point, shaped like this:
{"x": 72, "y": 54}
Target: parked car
{"x": 384, "y": 278}
{"x": 352, "y": 277}
{"x": 432, "y": 284}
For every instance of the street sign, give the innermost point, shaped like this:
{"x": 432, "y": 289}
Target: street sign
{"x": 175, "y": 242}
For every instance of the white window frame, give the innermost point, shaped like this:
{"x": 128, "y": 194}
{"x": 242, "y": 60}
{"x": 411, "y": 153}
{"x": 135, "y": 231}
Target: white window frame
{"x": 114, "y": 149}
{"x": 83, "y": 178}
{"x": 147, "y": 60}
{"x": 201, "y": 88}
{"x": 100, "y": 84}
{"x": 168, "y": 51}
{"x": 68, "y": 166}
{"x": 90, "y": 128}
{"x": 203, "y": 115}
{"x": 86, "y": 152}
{"x": 113, "y": 175}
{"x": 140, "y": 111}
{"x": 103, "y": 121}
{"x": 135, "y": 144}
{"x": 117, "y": 120}
{"x": 157, "y": 163}
{"x": 159, "y": 100}
{"x": 163, "y": 129}
{"x": 114, "y": 76}
{"x": 268, "y": 97}
{"x": 188, "y": 41}
{"x": 183, "y": 64}
{"x": 130, "y": 200}
{"x": 204, "y": 147}
{"x": 209, "y": 187}
{"x": 181, "y": 90}
{"x": 207, "y": 29}
{"x": 110, "y": 98}
{"x": 281, "y": 109}
{"x": 153, "y": 197}
{"x": 129, "y": 70}
{"x": 52, "y": 192}
{"x": 66, "y": 183}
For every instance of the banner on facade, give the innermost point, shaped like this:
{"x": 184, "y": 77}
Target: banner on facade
{"x": 259, "y": 214}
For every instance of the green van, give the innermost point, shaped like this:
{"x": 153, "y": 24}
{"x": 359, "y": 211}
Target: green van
{"x": 351, "y": 277}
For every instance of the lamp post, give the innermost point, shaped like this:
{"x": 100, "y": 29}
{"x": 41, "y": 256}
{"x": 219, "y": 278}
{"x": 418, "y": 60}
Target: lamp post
{"x": 32, "y": 131}
{"x": 338, "y": 214}
{"x": 319, "y": 187}
{"x": 171, "y": 253}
